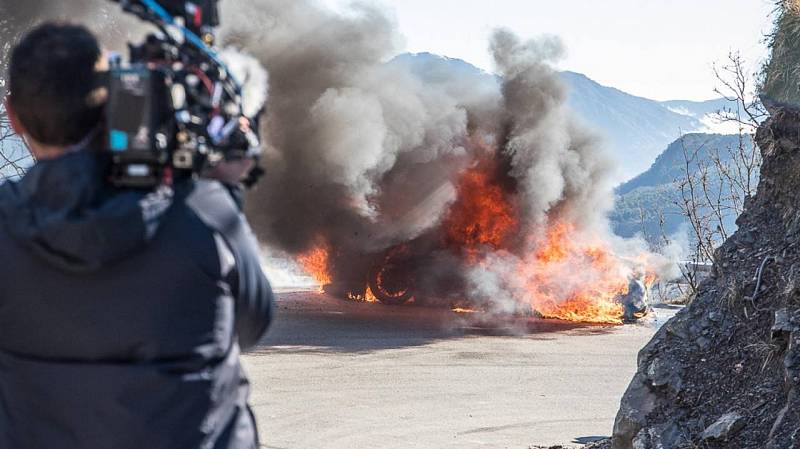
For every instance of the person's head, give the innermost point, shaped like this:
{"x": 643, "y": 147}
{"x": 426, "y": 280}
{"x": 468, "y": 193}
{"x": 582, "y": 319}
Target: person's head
{"x": 53, "y": 100}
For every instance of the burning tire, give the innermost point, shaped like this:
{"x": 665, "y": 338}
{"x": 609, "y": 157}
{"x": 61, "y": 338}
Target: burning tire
{"x": 390, "y": 280}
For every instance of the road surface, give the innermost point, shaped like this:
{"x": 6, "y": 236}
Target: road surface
{"x": 342, "y": 375}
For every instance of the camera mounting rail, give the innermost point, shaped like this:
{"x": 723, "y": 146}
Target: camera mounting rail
{"x": 177, "y": 107}
{"x": 151, "y": 11}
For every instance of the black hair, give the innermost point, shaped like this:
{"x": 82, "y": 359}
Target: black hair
{"x": 51, "y": 79}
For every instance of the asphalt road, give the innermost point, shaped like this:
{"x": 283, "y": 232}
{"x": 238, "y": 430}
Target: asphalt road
{"x": 336, "y": 374}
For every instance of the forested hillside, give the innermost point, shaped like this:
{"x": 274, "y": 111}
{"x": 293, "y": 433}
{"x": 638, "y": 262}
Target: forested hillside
{"x": 650, "y": 202}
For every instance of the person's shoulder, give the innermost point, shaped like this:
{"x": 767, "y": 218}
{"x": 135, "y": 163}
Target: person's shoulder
{"x": 213, "y": 203}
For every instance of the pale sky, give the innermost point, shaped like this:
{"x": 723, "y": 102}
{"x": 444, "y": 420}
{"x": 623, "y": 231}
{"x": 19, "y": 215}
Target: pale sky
{"x": 660, "y": 49}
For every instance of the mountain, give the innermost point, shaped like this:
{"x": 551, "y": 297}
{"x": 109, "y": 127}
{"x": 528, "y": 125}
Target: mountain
{"x": 697, "y": 109}
{"x": 652, "y": 196}
{"x": 635, "y": 129}
{"x": 706, "y": 113}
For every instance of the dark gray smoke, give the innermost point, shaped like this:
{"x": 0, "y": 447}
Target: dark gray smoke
{"x": 364, "y": 154}
{"x": 557, "y": 162}
{"x": 357, "y": 144}
{"x": 354, "y": 143}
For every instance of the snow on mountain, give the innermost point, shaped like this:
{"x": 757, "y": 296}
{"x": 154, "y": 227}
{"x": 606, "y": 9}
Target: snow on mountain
{"x": 706, "y": 112}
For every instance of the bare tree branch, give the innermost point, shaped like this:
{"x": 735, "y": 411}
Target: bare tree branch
{"x": 715, "y": 183}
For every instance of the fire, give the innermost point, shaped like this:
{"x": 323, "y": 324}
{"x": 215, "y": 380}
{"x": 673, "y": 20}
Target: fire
{"x": 368, "y": 296}
{"x": 556, "y": 246}
{"x": 463, "y": 311}
{"x": 483, "y": 215}
{"x": 315, "y": 262}
{"x": 567, "y": 273}
{"x": 583, "y": 309}
{"x": 571, "y": 281}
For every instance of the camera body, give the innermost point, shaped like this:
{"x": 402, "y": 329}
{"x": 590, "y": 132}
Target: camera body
{"x": 175, "y": 108}
{"x": 197, "y": 14}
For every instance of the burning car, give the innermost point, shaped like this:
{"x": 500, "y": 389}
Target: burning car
{"x": 561, "y": 273}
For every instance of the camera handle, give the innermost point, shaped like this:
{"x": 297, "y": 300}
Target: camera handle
{"x": 154, "y": 13}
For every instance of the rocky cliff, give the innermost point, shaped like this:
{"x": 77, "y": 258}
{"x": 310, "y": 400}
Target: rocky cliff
{"x": 725, "y": 372}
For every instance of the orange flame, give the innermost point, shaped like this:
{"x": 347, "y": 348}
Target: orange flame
{"x": 368, "y": 296}
{"x": 315, "y": 262}
{"x": 463, "y": 311}
{"x": 565, "y": 277}
{"x": 482, "y": 216}
{"x": 571, "y": 281}
{"x": 566, "y": 274}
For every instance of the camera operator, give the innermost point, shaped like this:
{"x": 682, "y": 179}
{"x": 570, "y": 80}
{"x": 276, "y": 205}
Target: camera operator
{"x": 122, "y": 312}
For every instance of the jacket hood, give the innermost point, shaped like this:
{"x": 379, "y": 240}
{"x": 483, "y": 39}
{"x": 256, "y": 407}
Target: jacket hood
{"x": 65, "y": 212}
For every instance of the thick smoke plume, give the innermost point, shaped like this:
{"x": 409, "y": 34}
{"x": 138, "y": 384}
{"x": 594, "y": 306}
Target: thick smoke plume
{"x": 357, "y": 144}
{"x": 364, "y": 153}
{"x": 367, "y": 154}
{"x": 356, "y": 141}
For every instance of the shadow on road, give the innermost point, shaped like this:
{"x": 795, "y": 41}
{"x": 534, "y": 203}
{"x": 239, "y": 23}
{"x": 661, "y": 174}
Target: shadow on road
{"x": 313, "y": 322}
{"x": 587, "y": 440}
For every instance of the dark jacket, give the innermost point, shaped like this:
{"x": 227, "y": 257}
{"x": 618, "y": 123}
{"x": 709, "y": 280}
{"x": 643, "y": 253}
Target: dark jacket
{"x": 122, "y": 313}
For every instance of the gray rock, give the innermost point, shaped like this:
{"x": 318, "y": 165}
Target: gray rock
{"x": 661, "y": 373}
{"x": 658, "y": 373}
{"x": 703, "y": 342}
{"x": 671, "y": 437}
{"x": 709, "y": 335}
{"x": 642, "y": 440}
{"x": 725, "y": 427}
{"x": 782, "y": 326}
{"x": 677, "y": 327}
{"x": 638, "y": 402}
{"x": 651, "y": 350}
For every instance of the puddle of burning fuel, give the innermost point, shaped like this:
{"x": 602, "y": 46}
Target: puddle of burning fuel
{"x": 356, "y": 314}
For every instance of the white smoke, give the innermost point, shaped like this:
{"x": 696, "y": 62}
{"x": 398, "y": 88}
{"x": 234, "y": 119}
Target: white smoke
{"x": 366, "y": 154}
{"x": 252, "y": 77}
